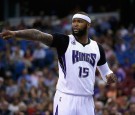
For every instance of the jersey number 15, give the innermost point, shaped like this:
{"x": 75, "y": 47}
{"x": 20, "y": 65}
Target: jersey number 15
{"x": 83, "y": 72}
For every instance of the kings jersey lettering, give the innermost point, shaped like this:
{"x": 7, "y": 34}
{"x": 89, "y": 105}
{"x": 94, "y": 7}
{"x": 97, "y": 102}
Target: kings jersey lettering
{"x": 87, "y": 57}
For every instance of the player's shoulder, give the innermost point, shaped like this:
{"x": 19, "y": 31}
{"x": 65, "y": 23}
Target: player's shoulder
{"x": 93, "y": 41}
{"x": 96, "y": 44}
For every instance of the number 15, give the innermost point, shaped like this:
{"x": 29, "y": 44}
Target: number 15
{"x": 83, "y": 72}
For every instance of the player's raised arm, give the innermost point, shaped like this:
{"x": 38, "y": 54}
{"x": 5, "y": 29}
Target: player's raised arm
{"x": 29, "y": 34}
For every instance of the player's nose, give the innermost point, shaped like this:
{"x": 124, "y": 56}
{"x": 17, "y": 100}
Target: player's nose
{"x": 75, "y": 25}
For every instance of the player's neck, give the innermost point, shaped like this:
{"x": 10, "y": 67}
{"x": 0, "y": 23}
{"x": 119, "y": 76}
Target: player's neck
{"x": 82, "y": 39}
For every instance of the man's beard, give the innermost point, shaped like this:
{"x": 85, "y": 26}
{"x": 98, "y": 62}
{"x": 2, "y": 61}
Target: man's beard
{"x": 80, "y": 32}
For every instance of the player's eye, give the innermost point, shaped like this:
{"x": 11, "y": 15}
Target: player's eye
{"x": 80, "y": 21}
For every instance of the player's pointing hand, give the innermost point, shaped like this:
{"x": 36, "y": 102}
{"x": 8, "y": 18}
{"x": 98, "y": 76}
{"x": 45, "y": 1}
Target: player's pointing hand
{"x": 7, "y": 34}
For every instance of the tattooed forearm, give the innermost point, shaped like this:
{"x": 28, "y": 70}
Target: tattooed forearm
{"x": 36, "y": 35}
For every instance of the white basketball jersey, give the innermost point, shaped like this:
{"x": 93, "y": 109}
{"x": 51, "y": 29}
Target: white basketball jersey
{"x": 77, "y": 68}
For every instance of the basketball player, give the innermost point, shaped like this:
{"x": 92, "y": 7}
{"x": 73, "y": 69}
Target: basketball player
{"x": 78, "y": 58}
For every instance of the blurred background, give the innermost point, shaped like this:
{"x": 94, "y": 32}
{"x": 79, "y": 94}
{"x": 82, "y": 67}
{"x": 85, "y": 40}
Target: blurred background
{"x": 29, "y": 72}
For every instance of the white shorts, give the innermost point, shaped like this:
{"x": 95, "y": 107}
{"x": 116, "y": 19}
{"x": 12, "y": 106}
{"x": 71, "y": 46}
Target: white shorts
{"x": 65, "y": 104}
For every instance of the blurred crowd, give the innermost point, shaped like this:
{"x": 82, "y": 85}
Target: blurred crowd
{"x": 29, "y": 71}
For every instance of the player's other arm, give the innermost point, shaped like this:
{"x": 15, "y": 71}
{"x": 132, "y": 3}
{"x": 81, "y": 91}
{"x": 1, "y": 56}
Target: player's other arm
{"x": 29, "y": 34}
{"x": 106, "y": 73}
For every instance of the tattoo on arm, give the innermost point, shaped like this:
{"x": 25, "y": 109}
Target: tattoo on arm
{"x": 35, "y": 35}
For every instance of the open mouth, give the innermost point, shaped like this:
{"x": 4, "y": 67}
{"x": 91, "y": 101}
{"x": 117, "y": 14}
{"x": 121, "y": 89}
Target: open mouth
{"x": 76, "y": 30}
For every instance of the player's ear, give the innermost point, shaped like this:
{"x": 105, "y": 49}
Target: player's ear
{"x": 88, "y": 25}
